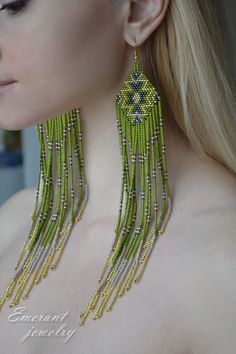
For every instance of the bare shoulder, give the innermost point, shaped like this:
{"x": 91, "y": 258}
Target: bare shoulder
{"x": 19, "y": 197}
{"x": 15, "y": 215}
{"x": 213, "y": 289}
{"x": 202, "y": 247}
{"x": 210, "y": 235}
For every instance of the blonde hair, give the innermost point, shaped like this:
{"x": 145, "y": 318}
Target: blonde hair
{"x": 190, "y": 66}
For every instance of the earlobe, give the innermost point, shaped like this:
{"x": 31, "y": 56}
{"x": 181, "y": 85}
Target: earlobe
{"x": 144, "y": 17}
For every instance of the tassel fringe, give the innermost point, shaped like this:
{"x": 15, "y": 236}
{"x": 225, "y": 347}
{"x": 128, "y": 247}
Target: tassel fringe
{"x": 56, "y": 209}
{"x": 144, "y": 219}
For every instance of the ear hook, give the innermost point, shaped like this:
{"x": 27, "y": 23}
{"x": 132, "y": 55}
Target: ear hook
{"x": 135, "y": 52}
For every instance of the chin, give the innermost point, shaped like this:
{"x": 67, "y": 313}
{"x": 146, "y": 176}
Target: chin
{"x": 8, "y": 125}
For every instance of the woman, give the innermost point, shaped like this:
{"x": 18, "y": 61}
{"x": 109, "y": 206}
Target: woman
{"x": 77, "y": 54}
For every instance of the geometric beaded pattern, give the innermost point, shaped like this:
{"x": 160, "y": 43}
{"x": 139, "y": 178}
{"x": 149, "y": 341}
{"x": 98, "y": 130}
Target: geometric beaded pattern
{"x": 137, "y": 96}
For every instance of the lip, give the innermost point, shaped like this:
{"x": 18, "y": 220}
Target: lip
{"x": 5, "y": 85}
{"x": 6, "y": 82}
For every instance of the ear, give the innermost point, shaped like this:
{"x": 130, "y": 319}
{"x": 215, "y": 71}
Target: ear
{"x": 142, "y": 18}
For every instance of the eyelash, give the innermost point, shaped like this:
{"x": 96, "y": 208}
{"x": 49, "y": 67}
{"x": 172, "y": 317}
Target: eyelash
{"x": 15, "y": 6}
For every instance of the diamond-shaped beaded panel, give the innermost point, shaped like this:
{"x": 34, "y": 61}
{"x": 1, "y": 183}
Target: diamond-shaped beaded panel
{"x": 137, "y": 96}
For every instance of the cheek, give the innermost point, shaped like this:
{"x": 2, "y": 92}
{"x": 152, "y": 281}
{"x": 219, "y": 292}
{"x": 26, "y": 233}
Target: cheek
{"x": 80, "y": 56}
{"x": 60, "y": 68}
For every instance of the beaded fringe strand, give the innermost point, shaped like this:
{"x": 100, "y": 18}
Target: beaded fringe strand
{"x": 56, "y": 209}
{"x": 141, "y": 138}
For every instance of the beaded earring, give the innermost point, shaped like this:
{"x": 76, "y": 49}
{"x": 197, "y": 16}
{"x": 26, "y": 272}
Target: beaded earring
{"x": 61, "y": 178}
{"x": 142, "y": 217}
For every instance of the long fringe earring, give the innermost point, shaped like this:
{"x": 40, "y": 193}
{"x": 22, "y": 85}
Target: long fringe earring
{"x": 143, "y": 220}
{"x": 61, "y": 196}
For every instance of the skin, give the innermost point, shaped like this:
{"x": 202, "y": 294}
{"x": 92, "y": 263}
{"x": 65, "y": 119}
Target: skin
{"x": 77, "y": 53}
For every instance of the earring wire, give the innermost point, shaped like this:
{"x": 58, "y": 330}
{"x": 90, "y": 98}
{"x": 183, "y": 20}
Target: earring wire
{"x": 135, "y": 52}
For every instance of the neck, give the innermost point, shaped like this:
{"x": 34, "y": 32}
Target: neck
{"x": 103, "y": 159}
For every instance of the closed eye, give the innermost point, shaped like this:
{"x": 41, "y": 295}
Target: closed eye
{"x": 15, "y": 6}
